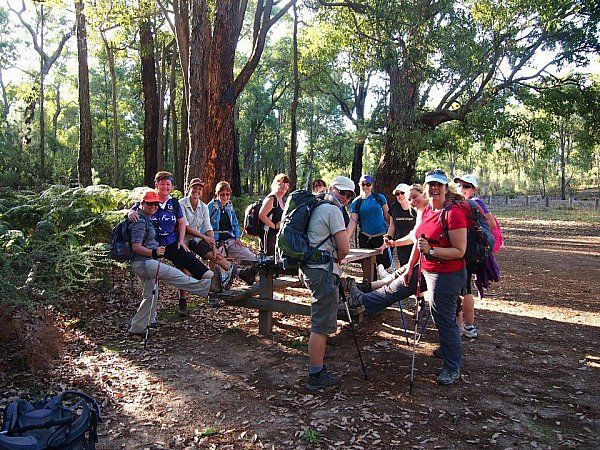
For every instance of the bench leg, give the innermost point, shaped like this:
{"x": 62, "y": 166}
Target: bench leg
{"x": 265, "y": 322}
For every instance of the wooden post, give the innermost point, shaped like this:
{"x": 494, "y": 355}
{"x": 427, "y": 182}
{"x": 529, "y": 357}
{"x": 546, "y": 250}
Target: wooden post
{"x": 547, "y": 202}
{"x": 265, "y": 316}
{"x": 596, "y": 203}
{"x": 570, "y": 201}
{"x": 527, "y": 200}
{"x": 489, "y": 202}
{"x": 506, "y": 202}
{"x": 368, "y": 266}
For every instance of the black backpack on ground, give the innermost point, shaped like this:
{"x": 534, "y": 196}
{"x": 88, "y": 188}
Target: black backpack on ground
{"x": 51, "y": 424}
{"x": 480, "y": 240}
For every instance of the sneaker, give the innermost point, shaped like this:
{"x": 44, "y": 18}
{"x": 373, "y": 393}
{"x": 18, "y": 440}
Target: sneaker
{"x": 215, "y": 283}
{"x": 381, "y": 272}
{"x": 322, "y": 380}
{"x": 438, "y": 352}
{"x": 469, "y": 331}
{"x": 248, "y": 276}
{"x": 183, "y": 307}
{"x": 364, "y": 286}
{"x": 448, "y": 376}
{"x": 228, "y": 276}
{"x": 354, "y": 294}
{"x": 153, "y": 321}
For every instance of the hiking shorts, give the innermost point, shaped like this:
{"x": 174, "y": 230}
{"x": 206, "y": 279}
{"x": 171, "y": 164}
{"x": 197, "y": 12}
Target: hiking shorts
{"x": 324, "y": 288}
{"x": 200, "y": 248}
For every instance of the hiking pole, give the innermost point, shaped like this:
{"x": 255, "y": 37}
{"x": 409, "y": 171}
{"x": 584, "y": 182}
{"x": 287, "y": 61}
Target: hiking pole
{"x": 345, "y": 300}
{"x": 154, "y": 301}
{"x": 414, "y": 353}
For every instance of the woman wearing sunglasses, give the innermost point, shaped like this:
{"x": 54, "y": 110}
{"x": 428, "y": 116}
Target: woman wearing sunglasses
{"x": 467, "y": 187}
{"x": 227, "y": 231}
{"x": 370, "y": 212}
{"x": 443, "y": 266}
{"x": 147, "y": 250}
{"x": 403, "y": 220}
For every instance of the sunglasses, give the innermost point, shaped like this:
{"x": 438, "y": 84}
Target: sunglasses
{"x": 224, "y": 194}
{"x": 152, "y": 203}
{"x": 365, "y": 184}
{"x": 466, "y": 185}
{"x": 348, "y": 194}
{"x": 399, "y": 193}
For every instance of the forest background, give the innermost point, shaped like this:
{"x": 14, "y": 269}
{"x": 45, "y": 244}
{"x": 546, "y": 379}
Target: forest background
{"x": 107, "y": 92}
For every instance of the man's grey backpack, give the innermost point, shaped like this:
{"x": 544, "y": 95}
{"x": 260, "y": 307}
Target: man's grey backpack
{"x": 67, "y": 422}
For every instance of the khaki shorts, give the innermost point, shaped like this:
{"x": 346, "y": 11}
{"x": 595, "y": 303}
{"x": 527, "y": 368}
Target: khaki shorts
{"x": 324, "y": 288}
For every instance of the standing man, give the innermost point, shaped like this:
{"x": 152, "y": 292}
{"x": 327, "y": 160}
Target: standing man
{"x": 323, "y": 282}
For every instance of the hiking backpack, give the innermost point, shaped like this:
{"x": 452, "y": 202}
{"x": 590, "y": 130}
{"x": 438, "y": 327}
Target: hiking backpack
{"x": 293, "y": 247}
{"x": 51, "y": 423}
{"x": 120, "y": 247}
{"x": 480, "y": 240}
{"x": 253, "y": 226}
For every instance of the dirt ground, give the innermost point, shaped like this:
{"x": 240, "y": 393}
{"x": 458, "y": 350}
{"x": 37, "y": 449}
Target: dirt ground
{"x": 530, "y": 380}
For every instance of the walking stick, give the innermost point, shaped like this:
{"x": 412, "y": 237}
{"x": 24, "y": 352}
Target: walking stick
{"x": 414, "y": 353}
{"x": 154, "y": 301}
{"x": 345, "y": 300}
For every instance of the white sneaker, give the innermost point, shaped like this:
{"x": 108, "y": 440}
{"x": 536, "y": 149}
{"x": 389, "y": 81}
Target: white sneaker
{"x": 469, "y": 331}
{"x": 381, "y": 272}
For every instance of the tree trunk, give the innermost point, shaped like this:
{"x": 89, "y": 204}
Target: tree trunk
{"x": 173, "y": 108}
{"x": 150, "y": 94}
{"x": 294, "y": 108}
{"x": 401, "y": 150}
{"x": 6, "y": 107}
{"x": 55, "y": 116}
{"x": 84, "y": 159}
{"x": 182, "y": 33}
{"x": 110, "y": 57}
{"x": 42, "y": 120}
{"x": 160, "y": 160}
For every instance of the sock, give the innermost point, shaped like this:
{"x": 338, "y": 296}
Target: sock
{"x": 315, "y": 370}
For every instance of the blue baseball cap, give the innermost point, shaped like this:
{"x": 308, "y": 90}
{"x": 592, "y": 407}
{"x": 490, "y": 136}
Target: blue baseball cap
{"x": 436, "y": 175}
{"x": 366, "y": 177}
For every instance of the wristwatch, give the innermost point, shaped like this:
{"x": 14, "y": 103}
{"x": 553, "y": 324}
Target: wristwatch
{"x": 431, "y": 251}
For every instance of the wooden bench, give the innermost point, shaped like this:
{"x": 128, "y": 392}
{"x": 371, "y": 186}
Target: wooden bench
{"x": 260, "y": 295}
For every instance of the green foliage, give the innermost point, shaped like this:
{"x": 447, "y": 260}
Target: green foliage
{"x": 59, "y": 237}
{"x": 311, "y": 436}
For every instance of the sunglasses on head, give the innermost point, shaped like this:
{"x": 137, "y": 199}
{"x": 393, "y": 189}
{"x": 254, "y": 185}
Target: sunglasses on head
{"x": 365, "y": 183}
{"x": 466, "y": 185}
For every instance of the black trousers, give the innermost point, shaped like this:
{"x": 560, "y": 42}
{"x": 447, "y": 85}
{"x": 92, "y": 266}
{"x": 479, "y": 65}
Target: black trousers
{"x": 185, "y": 260}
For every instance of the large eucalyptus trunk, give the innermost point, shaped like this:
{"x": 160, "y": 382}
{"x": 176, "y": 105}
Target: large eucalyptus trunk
{"x": 84, "y": 158}
{"x": 149, "y": 91}
{"x": 294, "y": 109}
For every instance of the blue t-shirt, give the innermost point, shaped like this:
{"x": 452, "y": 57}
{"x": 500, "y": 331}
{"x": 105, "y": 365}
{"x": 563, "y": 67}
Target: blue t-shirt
{"x": 165, "y": 220}
{"x": 371, "y": 217}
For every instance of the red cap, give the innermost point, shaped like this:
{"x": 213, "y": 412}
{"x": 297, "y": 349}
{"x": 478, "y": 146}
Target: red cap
{"x": 151, "y": 196}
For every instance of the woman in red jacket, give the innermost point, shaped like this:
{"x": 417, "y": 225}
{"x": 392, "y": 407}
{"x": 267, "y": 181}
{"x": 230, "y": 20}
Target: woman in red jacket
{"x": 443, "y": 267}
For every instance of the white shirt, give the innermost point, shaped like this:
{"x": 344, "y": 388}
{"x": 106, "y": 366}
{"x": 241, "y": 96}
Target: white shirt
{"x": 198, "y": 219}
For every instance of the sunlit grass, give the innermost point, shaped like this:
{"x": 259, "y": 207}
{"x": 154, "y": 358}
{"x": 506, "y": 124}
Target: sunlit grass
{"x": 545, "y": 216}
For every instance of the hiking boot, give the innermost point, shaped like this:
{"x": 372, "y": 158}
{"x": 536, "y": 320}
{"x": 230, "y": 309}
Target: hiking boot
{"x": 322, "y": 380}
{"x": 354, "y": 294}
{"x": 438, "y": 352}
{"x": 228, "y": 276}
{"x": 215, "y": 283}
{"x": 469, "y": 331}
{"x": 214, "y": 302}
{"x": 248, "y": 276}
{"x": 364, "y": 286}
{"x": 448, "y": 376}
{"x": 183, "y": 312}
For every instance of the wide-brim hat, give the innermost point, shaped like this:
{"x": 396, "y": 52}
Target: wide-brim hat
{"x": 342, "y": 183}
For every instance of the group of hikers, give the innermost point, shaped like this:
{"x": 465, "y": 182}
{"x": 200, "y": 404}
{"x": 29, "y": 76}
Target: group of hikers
{"x": 429, "y": 251}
